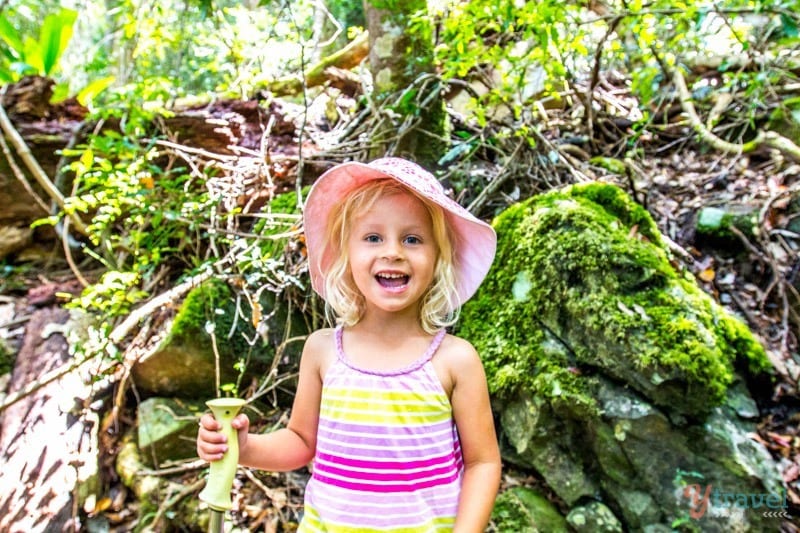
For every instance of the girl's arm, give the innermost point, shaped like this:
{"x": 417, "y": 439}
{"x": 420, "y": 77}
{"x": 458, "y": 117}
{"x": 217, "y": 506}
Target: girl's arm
{"x": 288, "y": 448}
{"x": 473, "y": 418}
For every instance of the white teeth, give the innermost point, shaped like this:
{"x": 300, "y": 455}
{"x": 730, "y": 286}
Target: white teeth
{"x": 392, "y": 276}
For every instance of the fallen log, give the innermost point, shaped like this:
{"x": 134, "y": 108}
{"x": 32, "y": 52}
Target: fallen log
{"x": 347, "y": 58}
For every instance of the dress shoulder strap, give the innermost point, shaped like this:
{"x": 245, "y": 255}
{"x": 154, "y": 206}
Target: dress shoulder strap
{"x": 420, "y": 362}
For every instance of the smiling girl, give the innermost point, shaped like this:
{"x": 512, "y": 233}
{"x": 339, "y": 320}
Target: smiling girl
{"x": 393, "y": 410}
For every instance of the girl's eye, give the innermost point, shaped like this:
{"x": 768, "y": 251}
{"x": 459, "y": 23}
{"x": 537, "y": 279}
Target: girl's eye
{"x": 411, "y": 239}
{"x": 372, "y": 238}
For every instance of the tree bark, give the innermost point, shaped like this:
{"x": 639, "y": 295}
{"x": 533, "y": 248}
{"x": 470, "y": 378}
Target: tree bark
{"x": 402, "y": 67}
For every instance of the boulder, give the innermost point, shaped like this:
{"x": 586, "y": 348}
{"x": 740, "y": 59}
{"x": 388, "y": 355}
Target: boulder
{"x": 185, "y": 363}
{"x": 225, "y": 337}
{"x": 617, "y": 380}
{"x": 525, "y": 510}
{"x": 167, "y": 429}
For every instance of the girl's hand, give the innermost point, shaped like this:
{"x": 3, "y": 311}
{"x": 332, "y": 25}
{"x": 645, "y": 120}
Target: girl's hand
{"x": 211, "y": 444}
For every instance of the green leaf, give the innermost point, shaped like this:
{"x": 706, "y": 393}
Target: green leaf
{"x": 61, "y": 92}
{"x": 11, "y": 37}
{"x": 456, "y": 152}
{"x": 789, "y": 25}
{"x": 32, "y": 55}
{"x": 609, "y": 163}
{"x": 52, "y": 220}
{"x": 87, "y": 95}
{"x": 54, "y": 37}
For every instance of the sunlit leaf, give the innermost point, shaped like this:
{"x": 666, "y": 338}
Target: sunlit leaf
{"x": 90, "y": 92}
{"x": 33, "y": 55}
{"x": 54, "y": 36}
{"x": 10, "y": 36}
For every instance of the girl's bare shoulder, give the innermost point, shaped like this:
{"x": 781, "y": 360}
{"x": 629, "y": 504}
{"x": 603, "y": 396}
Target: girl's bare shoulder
{"x": 322, "y": 335}
{"x": 455, "y": 360}
{"x": 458, "y": 350}
{"x": 320, "y": 348}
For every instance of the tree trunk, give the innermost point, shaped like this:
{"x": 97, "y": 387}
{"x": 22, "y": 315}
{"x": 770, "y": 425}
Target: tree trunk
{"x": 402, "y": 66}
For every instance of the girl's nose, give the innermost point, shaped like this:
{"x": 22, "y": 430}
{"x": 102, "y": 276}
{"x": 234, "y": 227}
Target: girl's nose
{"x": 392, "y": 250}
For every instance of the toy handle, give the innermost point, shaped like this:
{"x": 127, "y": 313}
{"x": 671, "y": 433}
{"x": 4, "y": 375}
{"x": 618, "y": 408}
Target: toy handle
{"x": 217, "y": 492}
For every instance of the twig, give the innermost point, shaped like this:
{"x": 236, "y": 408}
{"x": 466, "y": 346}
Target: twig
{"x": 15, "y": 322}
{"x": 769, "y": 139}
{"x": 68, "y": 254}
{"x": 168, "y": 503}
{"x": 122, "y": 330}
{"x": 12, "y": 164}
{"x": 188, "y": 466}
{"x": 598, "y": 57}
{"x": 493, "y": 185}
{"x": 195, "y": 151}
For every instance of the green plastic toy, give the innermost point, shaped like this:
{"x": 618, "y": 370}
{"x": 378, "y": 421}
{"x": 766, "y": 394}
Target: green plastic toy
{"x": 217, "y": 492}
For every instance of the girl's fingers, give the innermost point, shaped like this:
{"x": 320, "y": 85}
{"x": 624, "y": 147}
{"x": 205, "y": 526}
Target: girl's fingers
{"x": 208, "y": 422}
{"x": 211, "y": 445}
{"x": 212, "y": 438}
{"x": 240, "y": 422}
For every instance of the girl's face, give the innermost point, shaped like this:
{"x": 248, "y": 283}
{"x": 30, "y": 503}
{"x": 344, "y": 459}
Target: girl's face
{"x": 393, "y": 253}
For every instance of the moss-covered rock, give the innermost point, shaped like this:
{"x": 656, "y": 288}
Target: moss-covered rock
{"x": 583, "y": 283}
{"x": 594, "y": 518}
{"x": 166, "y": 430}
{"x": 610, "y": 369}
{"x": 184, "y": 365}
{"x": 524, "y": 510}
{"x": 222, "y": 328}
{"x": 718, "y": 224}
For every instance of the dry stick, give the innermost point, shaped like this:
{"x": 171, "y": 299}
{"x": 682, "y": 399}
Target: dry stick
{"x": 612, "y": 26}
{"x": 170, "y": 502}
{"x": 41, "y": 176}
{"x": 15, "y": 322}
{"x": 162, "y": 299}
{"x": 68, "y": 254}
{"x": 12, "y": 164}
{"x": 115, "y": 337}
{"x": 769, "y": 139}
{"x": 493, "y": 185}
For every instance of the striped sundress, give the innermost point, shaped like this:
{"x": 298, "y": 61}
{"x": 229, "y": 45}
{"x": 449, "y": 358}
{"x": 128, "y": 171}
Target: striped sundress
{"x": 388, "y": 457}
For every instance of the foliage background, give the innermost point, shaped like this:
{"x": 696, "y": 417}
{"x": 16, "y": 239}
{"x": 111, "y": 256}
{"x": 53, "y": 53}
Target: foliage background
{"x": 540, "y": 94}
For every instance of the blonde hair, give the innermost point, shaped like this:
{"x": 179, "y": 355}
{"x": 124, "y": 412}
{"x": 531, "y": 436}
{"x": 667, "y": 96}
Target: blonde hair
{"x": 438, "y": 307}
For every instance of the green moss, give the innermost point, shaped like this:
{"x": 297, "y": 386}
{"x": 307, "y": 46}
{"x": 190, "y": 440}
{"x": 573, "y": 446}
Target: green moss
{"x": 212, "y": 306}
{"x": 718, "y": 224}
{"x": 6, "y": 358}
{"x": 524, "y": 510}
{"x": 199, "y": 308}
{"x": 581, "y": 282}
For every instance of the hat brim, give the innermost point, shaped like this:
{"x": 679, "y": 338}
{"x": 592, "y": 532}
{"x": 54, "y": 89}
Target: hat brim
{"x": 474, "y": 243}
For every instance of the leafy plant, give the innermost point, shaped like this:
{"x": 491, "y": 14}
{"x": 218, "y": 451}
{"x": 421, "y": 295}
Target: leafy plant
{"x": 25, "y": 55}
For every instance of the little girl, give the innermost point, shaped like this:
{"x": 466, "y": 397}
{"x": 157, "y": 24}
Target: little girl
{"x": 393, "y": 410}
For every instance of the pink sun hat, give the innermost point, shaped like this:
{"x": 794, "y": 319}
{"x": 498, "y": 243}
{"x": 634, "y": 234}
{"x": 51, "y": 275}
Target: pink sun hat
{"x": 474, "y": 241}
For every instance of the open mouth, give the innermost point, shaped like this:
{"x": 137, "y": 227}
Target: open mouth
{"x": 392, "y": 281}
